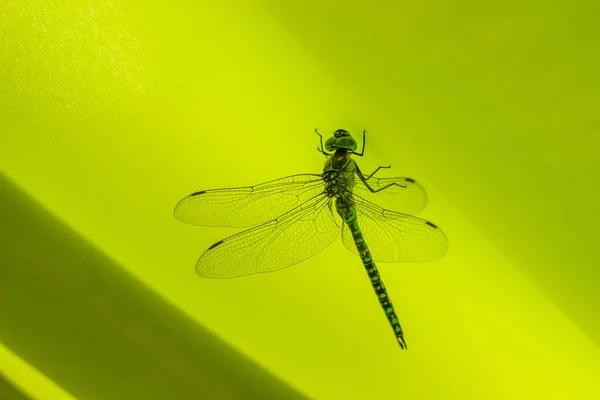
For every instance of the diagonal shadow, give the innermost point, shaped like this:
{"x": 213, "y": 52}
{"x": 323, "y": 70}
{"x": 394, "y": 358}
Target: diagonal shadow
{"x": 8, "y": 391}
{"x": 98, "y": 332}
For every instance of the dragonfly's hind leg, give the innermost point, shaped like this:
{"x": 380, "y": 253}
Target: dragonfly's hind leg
{"x": 383, "y": 188}
{"x": 364, "y": 180}
{"x": 378, "y": 168}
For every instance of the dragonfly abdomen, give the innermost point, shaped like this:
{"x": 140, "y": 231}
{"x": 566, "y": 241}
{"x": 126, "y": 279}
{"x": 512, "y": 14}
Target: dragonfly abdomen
{"x": 348, "y": 214}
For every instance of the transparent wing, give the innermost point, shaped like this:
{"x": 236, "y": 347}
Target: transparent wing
{"x": 274, "y": 245}
{"x": 400, "y": 194}
{"x": 250, "y": 205}
{"x": 395, "y": 237}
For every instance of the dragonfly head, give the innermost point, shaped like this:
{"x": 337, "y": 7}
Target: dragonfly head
{"x": 341, "y": 139}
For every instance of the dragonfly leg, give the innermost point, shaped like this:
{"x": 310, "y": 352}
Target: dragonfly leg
{"x": 362, "y": 152}
{"x": 364, "y": 180}
{"x": 378, "y": 168}
{"x": 321, "y": 149}
{"x": 383, "y": 188}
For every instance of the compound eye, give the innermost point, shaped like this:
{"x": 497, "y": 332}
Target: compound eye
{"x": 347, "y": 143}
{"x": 330, "y": 144}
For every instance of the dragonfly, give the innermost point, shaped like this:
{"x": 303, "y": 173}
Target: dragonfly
{"x": 290, "y": 219}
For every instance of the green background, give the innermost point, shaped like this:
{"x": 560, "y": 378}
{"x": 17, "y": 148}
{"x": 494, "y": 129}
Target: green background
{"x": 110, "y": 112}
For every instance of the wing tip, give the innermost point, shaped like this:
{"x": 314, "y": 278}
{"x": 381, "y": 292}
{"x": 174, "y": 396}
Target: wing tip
{"x": 431, "y": 224}
{"x": 215, "y": 245}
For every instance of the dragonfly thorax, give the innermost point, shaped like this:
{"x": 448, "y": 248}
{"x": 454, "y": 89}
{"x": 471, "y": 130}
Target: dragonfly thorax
{"x": 341, "y": 140}
{"x": 338, "y": 174}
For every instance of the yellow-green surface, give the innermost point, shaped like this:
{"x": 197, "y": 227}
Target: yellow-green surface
{"x": 85, "y": 323}
{"x": 110, "y": 112}
{"x": 24, "y": 378}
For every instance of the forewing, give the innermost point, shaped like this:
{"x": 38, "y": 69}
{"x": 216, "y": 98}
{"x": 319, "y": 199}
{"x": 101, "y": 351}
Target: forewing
{"x": 395, "y": 237}
{"x": 277, "y": 244}
{"x": 399, "y": 194}
{"x": 250, "y": 205}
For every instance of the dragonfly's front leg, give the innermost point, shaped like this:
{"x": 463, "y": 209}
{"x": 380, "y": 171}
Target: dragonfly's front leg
{"x": 321, "y": 150}
{"x": 362, "y": 152}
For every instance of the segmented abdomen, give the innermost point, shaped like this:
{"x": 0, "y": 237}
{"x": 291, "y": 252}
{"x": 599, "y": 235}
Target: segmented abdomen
{"x": 348, "y": 213}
